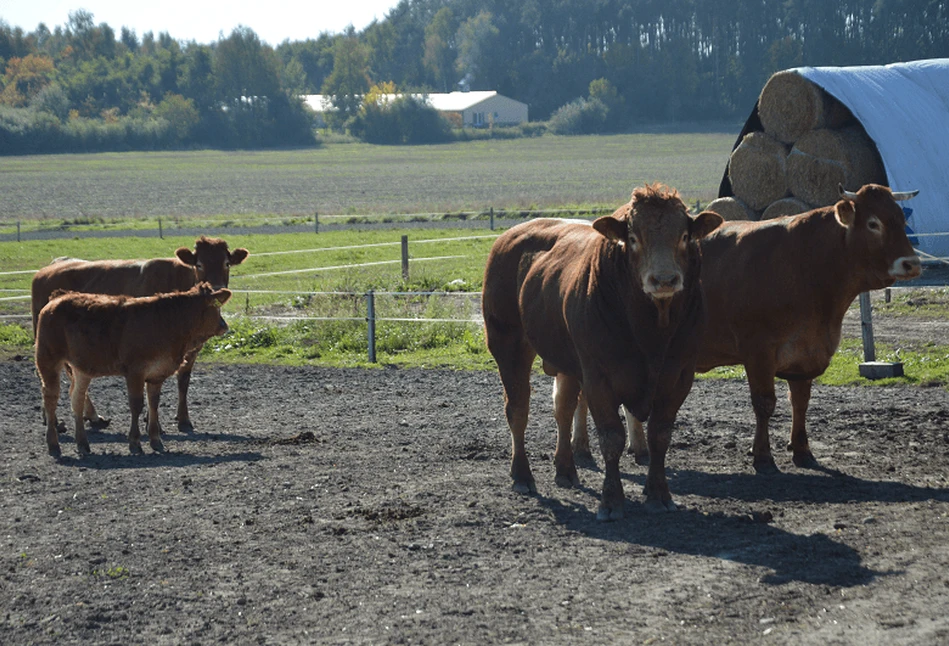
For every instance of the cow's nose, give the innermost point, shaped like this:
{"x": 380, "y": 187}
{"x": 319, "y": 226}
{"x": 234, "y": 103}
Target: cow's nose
{"x": 912, "y": 266}
{"x": 664, "y": 283}
{"x": 222, "y": 327}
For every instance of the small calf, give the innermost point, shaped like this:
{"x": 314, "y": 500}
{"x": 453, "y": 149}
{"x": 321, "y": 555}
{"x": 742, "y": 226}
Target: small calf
{"x": 143, "y": 339}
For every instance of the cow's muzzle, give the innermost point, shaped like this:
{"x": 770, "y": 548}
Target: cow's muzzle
{"x": 906, "y": 267}
{"x": 663, "y": 284}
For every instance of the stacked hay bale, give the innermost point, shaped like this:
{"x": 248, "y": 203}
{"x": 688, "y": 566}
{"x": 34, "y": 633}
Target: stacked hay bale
{"x": 809, "y": 145}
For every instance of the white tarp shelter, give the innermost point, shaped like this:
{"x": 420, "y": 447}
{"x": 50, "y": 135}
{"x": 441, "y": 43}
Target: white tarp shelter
{"x": 904, "y": 108}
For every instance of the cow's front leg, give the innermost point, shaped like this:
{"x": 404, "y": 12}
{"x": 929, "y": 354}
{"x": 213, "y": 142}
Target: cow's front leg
{"x": 154, "y": 427}
{"x": 612, "y": 436}
{"x": 658, "y": 436}
{"x": 184, "y": 381}
{"x": 799, "y": 392}
{"x": 77, "y": 396}
{"x": 763, "y": 400}
{"x": 566, "y": 391}
{"x": 136, "y": 392}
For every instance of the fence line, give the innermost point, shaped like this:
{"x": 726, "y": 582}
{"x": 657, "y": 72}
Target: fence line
{"x": 371, "y": 244}
{"x": 364, "y": 264}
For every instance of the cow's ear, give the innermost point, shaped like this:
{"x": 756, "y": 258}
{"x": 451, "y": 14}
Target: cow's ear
{"x": 611, "y": 228}
{"x": 845, "y": 213}
{"x": 704, "y": 223}
{"x": 186, "y": 256}
{"x": 238, "y": 256}
{"x": 222, "y": 295}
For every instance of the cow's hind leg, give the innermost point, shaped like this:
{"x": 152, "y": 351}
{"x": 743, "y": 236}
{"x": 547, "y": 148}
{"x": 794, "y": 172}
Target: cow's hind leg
{"x": 763, "y": 400}
{"x": 77, "y": 396}
{"x": 154, "y": 427}
{"x": 581, "y": 433}
{"x": 515, "y": 357}
{"x": 88, "y": 408}
{"x": 49, "y": 384}
{"x": 799, "y": 392}
{"x": 566, "y": 392}
{"x": 136, "y": 393}
{"x": 183, "y": 417}
{"x": 637, "y": 439}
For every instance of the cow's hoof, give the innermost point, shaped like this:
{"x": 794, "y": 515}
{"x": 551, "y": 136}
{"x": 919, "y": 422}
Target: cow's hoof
{"x": 135, "y": 448}
{"x": 55, "y": 451}
{"x": 83, "y": 448}
{"x": 185, "y": 426}
{"x": 766, "y": 467}
{"x": 567, "y": 480}
{"x": 606, "y": 513}
{"x": 640, "y": 459}
{"x": 527, "y": 487}
{"x": 157, "y": 446}
{"x": 805, "y": 460}
{"x": 660, "y": 506}
{"x": 60, "y": 427}
{"x": 584, "y": 455}
{"x": 99, "y": 423}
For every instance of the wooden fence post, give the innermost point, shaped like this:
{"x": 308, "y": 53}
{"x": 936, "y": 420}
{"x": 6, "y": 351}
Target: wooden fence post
{"x": 405, "y": 258}
{"x": 17, "y": 230}
{"x": 492, "y": 218}
{"x": 160, "y": 233}
{"x": 371, "y": 319}
{"x": 316, "y": 222}
{"x": 866, "y": 327}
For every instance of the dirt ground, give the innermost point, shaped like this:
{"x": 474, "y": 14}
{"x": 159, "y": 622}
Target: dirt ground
{"x": 333, "y": 506}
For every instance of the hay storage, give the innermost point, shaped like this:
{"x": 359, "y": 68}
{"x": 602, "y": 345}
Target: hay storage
{"x": 789, "y": 106}
{"x": 731, "y": 208}
{"x": 756, "y": 170}
{"x": 785, "y": 206}
{"x": 823, "y": 159}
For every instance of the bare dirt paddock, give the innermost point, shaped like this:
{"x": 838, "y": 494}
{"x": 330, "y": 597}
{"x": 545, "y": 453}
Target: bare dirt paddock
{"x": 373, "y": 507}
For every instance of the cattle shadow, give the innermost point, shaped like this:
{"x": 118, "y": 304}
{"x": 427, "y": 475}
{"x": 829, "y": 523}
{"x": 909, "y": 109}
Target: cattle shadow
{"x": 152, "y": 460}
{"x": 819, "y": 486}
{"x": 814, "y": 559}
{"x": 112, "y": 435}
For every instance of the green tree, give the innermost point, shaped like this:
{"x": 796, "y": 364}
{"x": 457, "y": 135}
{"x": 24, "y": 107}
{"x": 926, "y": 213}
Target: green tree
{"x": 181, "y": 115}
{"x": 439, "y": 58}
{"x": 476, "y": 37}
{"x": 349, "y": 80}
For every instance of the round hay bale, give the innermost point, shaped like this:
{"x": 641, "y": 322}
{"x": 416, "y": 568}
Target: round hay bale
{"x": 824, "y": 158}
{"x": 790, "y": 105}
{"x": 756, "y": 170}
{"x": 785, "y": 206}
{"x": 731, "y": 208}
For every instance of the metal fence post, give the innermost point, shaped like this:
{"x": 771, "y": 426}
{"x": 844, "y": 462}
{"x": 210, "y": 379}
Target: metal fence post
{"x": 866, "y": 327}
{"x": 160, "y": 233}
{"x": 316, "y": 222}
{"x": 371, "y": 319}
{"x": 17, "y": 230}
{"x": 405, "y": 258}
{"x": 492, "y": 218}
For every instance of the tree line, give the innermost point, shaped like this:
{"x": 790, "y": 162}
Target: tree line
{"x": 591, "y": 66}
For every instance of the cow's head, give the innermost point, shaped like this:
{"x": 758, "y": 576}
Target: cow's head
{"x": 211, "y": 260}
{"x": 209, "y": 322}
{"x": 876, "y": 234}
{"x": 660, "y": 238}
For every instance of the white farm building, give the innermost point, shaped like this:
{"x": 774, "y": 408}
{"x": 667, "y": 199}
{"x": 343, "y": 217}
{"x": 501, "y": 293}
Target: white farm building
{"x": 475, "y": 109}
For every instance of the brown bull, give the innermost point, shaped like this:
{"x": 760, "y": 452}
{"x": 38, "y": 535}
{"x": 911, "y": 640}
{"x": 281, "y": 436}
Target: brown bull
{"x": 777, "y": 291}
{"x": 142, "y": 339}
{"x": 210, "y": 262}
{"x": 615, "y": 307}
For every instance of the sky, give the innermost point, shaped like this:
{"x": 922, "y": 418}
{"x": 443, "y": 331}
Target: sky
{"x": 204, "y": 20}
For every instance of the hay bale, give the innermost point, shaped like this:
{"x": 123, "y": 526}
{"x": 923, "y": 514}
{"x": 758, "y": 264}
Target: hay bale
{"x": 822, "y": 159}
{"x": 785, "y": 206}
{"x": 790, "y": 105}
{"x": 731, "y": 208}
{"x": 756, "y": 170}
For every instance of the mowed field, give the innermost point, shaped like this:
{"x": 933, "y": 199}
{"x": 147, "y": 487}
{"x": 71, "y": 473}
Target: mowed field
{"x": 253, "y": 186}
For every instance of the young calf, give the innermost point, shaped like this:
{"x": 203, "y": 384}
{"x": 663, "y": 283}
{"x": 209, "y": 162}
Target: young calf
{"x": 142, "y": 339}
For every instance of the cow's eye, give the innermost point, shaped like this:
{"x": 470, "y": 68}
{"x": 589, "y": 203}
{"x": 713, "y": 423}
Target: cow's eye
{"x": 227, "y": 264}
{"x": 685, "y": 238}
{"x": 874, "y": 225}
{"x": 633, "y": 241}
{"x": 200, "y": 266}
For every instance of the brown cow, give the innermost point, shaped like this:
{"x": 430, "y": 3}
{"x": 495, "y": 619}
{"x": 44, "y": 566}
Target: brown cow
{"x": 209, "y": 262}
{"x": 144, "y": 339}
{"x": 615, "y": 307}
{"x": 777, "y": 291}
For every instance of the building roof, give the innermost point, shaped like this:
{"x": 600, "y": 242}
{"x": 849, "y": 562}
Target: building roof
{"x": 450, "y": 102}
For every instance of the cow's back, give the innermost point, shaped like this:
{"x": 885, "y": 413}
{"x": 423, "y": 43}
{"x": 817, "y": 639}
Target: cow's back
{"x": 112, "y": 277}
{"x": 506, "y": 261}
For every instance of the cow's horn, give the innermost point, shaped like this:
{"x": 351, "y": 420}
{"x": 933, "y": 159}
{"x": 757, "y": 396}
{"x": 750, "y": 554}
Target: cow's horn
{"x": 905, "y": 195}
{"x": 844, "y": 193}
